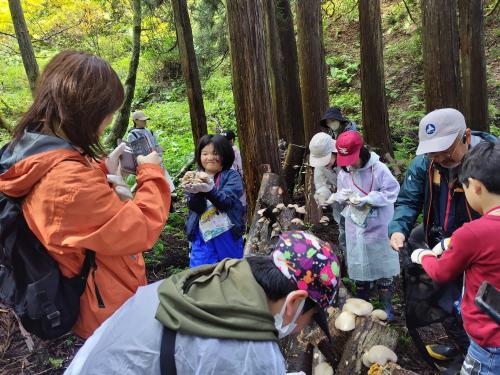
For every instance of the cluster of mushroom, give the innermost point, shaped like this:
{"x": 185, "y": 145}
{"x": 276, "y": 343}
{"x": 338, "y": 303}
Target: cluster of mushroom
{"x": 380, "y": 355}
{"x": 300, "y": 211}
{"x": 353, "y": 307}
{"x": 192, "y": 177}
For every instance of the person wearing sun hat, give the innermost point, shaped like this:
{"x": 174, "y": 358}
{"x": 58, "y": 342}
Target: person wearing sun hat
{"x": 367, "y": 190}
{"x": 225, "y": 318}
{"x": 334, "y": 123}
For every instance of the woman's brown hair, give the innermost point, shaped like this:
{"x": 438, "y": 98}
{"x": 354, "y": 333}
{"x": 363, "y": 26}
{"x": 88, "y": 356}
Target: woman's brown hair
{"x": 74, "y": 94}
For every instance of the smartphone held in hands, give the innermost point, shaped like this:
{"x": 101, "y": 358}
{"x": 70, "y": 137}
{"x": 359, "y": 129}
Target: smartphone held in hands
{"x": 128, "y": 159}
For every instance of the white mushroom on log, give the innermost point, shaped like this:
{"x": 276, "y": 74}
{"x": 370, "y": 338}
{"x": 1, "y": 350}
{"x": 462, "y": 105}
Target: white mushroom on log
{"x": 358, "y": 306}
{"x": 379, "y": 315}
{"x": 346, "y": 321}
{"x": 379, "y": 354}
{"x": 297, "y": 221}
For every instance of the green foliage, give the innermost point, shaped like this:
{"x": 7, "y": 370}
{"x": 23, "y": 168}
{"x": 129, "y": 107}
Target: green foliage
{"x": 342, "y": 70}
{"x": 56, "y": 362}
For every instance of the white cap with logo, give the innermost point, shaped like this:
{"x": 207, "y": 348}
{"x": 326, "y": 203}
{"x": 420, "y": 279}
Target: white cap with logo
{"x": 139, "y": 115}
{"x": 439, "y": 129}
{"x": 321, "y": 147}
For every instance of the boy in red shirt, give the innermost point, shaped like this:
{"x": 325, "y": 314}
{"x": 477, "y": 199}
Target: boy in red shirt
{"x": 474, "y": 249}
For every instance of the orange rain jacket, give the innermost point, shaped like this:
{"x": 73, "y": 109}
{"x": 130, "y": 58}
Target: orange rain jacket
{"x": 70, "y": 207}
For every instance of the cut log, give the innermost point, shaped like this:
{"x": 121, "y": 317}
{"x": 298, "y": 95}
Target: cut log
{"x": 366, "y": 334}
{"x": 313, "y": 211}
{"x": 270, "y": 195}
{"x": 293, "y": 160}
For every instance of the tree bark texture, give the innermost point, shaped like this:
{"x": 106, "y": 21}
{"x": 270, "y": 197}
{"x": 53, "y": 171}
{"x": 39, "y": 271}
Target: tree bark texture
{"x": 375, "y": 116}
{"x": 441, "y": 55}
{"x": 252, "y": 99}
{"x": 121, "y": 122}
{"x": 24, "y": 41}
{"x": 294, "y": 158}
{"x": 473, "y": 64}
{"x": 190, "y": 69}
{"x": 366, "y": 334}
{"x": 312, "y": 65}
{"x": 275, "y": 68}
{"x": 292, "y": 100}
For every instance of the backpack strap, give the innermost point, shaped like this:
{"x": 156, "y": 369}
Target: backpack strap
{"x": 167, "y": 352}
{"x": 90, "y": 263}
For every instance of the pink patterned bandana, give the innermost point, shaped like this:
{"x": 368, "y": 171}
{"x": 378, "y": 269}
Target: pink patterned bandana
{"x": 310, "y": 263}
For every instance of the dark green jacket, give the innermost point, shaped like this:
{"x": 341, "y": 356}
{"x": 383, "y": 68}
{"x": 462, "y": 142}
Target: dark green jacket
{"x": 220, "y": 301}
{"x": 418, "y": 194}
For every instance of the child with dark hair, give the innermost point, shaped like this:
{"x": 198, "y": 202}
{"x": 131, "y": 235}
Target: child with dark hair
{"x": 366, "y": 190}
{"x": 226, "y": 318}
{"x": 214, "y": 224}
{"x": 474, "y": 249}
{"x": 57, "y": 164}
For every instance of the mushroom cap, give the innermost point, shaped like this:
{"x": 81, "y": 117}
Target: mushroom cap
{"x": 379, "y": 354}
{"x": 379, "y": 314}
{"x": 323, "y": 369}
{"x": 261, "y": 211}
{"x": 358, "y": 306}
{"x": 297, "y": 221}
{"x": 300, "y": 210}
{"x": 346, "y": 321}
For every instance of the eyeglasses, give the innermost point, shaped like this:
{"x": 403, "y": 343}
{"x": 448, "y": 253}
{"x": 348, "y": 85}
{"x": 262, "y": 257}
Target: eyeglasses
{"x": 448, "y": 154}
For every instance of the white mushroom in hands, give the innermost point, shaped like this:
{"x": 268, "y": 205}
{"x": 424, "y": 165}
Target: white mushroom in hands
{"x": 346, "y": 321}
{"x": 379, "y": 354}
{"x": 358, "y": 307}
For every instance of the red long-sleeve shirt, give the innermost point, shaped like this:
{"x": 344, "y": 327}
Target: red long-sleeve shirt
{"x": 475, "y": 249}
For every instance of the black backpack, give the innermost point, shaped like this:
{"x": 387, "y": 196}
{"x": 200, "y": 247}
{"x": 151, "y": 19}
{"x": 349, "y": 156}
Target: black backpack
{"x": 31, "y": 282}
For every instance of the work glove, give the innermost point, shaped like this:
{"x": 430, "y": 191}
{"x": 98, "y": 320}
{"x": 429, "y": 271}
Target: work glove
{"x": 441, "y": 246}
{"x": 322, "y": 195}
{"x": 340, "y": 196}
{"x": 120, "y": 186}
{"x": 199, "y": 188}
{"x": 113, "y": 160}
{"x": 418, "y": 254}
{"x": 358, "y": 201}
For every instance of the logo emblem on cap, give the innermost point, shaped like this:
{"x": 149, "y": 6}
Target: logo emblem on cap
{"x": 342, "y": 150}
{"x": 430, "y": 129}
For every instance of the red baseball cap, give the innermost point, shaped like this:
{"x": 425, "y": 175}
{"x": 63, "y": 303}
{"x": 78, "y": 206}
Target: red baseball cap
{"x": 348, "y": 145}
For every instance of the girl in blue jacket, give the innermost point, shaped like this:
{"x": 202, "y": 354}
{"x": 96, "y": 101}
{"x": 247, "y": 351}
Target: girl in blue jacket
{"x": 214, "y": 225}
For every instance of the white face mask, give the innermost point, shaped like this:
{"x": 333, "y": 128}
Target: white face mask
{"x": 284, "y": 331}
{"x": 333, "y": 124}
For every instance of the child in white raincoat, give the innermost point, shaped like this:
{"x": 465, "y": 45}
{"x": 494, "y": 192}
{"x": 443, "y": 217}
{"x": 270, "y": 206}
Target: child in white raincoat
{"x": 367, "y": 190}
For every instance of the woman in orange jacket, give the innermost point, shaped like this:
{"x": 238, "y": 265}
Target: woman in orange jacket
{"x": 56, "y": 163}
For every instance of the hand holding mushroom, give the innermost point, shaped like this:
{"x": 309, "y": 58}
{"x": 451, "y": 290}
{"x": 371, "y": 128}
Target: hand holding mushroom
{"x": 197, "y": 182}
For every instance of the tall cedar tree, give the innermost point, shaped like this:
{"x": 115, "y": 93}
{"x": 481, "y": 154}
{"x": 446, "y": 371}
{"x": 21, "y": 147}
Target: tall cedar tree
{"x": 190, "y": 69}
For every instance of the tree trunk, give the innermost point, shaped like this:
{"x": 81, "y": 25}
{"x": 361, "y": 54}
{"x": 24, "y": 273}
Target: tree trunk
{"x": 121, "y": 123}
{"x": 294, "y": 158}
{"x": 24, "y": 41}
{"x": 475, "y": 91}
{"x": 366, "y": 334}
{"x": 375, "y": 116}
{"x": 190, "y": 69}
{"x": 252, "y": 99}
{"x": 292, "y": 103}
{"x": 275, "y": 68}
{"x": 441, "y": 55}
{"x": 312, "y": 65}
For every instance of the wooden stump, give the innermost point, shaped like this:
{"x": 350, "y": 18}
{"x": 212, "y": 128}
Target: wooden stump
{"x": 293, "y": 160}
{"x": 269, "y": 196}
{"x": 313, "y": 211}
{"x": 366, "y": 334}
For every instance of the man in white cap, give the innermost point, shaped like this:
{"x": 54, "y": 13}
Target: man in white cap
{"x": 139, "y": 131}
{"x": 431, "y": 188}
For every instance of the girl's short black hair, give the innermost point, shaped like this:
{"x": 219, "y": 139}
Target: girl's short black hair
{"x": 274, "y": 283}
{"x": 221, "y": 146}
{"x": 481, "y": 163}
